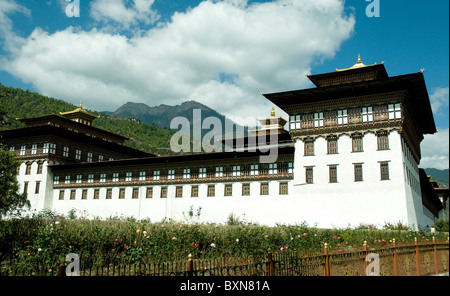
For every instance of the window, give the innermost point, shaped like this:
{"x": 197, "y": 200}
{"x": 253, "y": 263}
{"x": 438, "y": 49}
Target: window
{"x": 290, "y": 168}
{"x": 115, "y": 177}
{"x": 52, "y": 148}
{"x": 103, "y": 178}
{"x": 149, "y": 193}
{"x": 61, "y": 195}
{"x": 228, "y": 190}
{"x": 163, "y": 192}
{"x": 135, "y": 193}
{"x": 142, "y": 176}
{"x": 23, "y": 150}
{"x": 91, "y": 178}
{"x": 37, "y": 187}
{"x": 121, "y": 193}
{"x": 89, "y": 157}
{"x": 128, "y": 177}
{"x": 171, "y": 175}
{"x": 56, "y": 180}
{"x": 45, "y": 148}
{"x": 84, "y": 194}
{"x": 342, "y": 117}
{"x": 380, "y": 112}
{"x": 108, "y": 193}
{"x": 219, "y": 172}
{"x": 333, "y": 173}
{"x": 264, "y": 189}
{"x": 72, "y": 194}
{"x": 39, "y": 168}
{"x": 358, "y": 172}
{"x": 318, "y": 119}
{"x": 25, "y": 187}
{"x": 66, "y": 151}
{"x": 211, "y": 190}
{"x": 309, "y": 175}
{"x": 394, "y": 111}
{"x": 283, "y": 188}
{"x": 246, "y": 189}
{"x": 28, "y": 169}
{"x": 194, "y": 191}
{"x": 12, "y": 148}
{"x": 309, "y": 147}
{"x": 367, "y": 114}
{"x": 307, "y": 121}
{"x": 101, "y": 158}
{"x": 96, "y": 193}
{"x": 78, "y": 154}
{"x": 332, "y": 145}
{"x": 382, "y": 140}
{"x": 34, "y": 149}
{"x": 384, "y": 170}
{"x": 67, "y": 180}
{"x": 295, "y": 122}
{"x": 254, "y": 171}
{"x": 273, "y": 168}
{"x": 156, "y": 175}
{"x": 357, "y": 143}
{"x": 236, "y": 171}
{"x": 202, "y": 172}
{"x": 186, "y": 173}
{"x": 179, "y": 191}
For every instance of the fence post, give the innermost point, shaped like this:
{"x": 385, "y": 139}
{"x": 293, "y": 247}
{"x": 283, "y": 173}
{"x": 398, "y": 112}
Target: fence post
{"x": 416, "y": 243}
{"x": 62, "y": 267}
{"x": 436, "y": 270}
{"x": 327, "y": 267}
{"x": 190, "y": 266}
{"x": 395, "y": 258}
{"x": 271, "y": 263}
{"x": 365, "y": 257}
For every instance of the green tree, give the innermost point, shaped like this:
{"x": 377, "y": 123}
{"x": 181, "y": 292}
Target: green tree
{"x": 10, "y": 198}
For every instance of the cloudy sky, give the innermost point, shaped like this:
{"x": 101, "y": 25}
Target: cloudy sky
{"x": 220, "y": 53}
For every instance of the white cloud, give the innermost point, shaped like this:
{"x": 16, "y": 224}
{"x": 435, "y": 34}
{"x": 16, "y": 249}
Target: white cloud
{"x": 435, "y": 150}
{"x": 118, "y": 11}
{"x": 439, "y": 99}
{"x": 220, "y": 53}
{"x": 7, "y": 35}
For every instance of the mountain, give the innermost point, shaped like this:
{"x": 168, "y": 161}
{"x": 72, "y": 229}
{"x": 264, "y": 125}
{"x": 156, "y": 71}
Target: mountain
{"x": 147, "y": 137}
{"x": 162, "y": 115}
{"x": 441, "y": 176}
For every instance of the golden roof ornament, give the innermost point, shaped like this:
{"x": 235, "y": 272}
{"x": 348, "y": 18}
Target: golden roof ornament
{"x": 272, "y": 114}
{"x": 359, "y": 64}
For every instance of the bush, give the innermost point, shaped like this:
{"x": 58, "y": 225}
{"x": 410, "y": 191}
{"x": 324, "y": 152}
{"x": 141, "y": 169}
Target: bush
{"x": 441, "y": 225}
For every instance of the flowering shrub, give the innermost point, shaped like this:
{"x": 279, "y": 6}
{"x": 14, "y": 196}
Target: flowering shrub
{"x": 43, "y": 241}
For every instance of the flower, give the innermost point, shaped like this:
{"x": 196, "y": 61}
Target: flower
{"x": 237, "y": 240}
{"x": 305, "y": 234}
{"x": 181, "y": 225}
{"x": 144, "y": 232}
{"x": 56, "y": 222}
{"x": 213, "y": 245}
{"x": 135, "y": 243}
{"x": 138, "y": 231}
{"x": 116, "y": 240}
{"x": 50, "y": 270}
{"x": 339, "y": 251}
{"x": 174, "y": 238}
{"x": 339, "y": 245}
{"x": 196, "y": 245}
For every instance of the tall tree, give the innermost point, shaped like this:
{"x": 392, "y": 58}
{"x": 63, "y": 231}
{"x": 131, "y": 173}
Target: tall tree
{"x": 10, "y": 198}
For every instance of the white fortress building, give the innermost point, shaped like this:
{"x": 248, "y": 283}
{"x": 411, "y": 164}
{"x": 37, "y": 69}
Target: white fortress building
{"x": 350, "y": 157}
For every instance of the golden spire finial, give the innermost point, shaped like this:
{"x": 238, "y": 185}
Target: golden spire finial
{"x": 359, "y": 59}
{"x": 272, "y": 114}
{"x": 81, "y": 105}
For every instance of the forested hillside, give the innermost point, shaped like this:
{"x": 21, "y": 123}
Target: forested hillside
{"x": 147, "y": 137}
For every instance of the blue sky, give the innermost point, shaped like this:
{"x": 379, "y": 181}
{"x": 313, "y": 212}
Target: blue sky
{"x": 220, "y": 53}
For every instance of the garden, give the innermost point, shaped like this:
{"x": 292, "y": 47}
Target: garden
{"x": 46, "y": 238}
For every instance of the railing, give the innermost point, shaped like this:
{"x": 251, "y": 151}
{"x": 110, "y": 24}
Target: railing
{"x": 418, "y": 259}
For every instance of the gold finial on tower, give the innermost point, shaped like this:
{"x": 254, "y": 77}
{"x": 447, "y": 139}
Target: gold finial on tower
{"x": 272, "y": 114}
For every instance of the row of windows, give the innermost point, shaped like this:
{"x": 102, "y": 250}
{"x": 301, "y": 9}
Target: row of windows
{"x": 357, "y": 143}
{"x": 51, "y": 148}
{"x": 345, "y": 116}
{"x": 357, "y": 171}
{"x": 194, "y": 192}
{"x": 180, "y": 174}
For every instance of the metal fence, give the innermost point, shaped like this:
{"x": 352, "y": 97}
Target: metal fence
{"x": 418, "y": 259}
